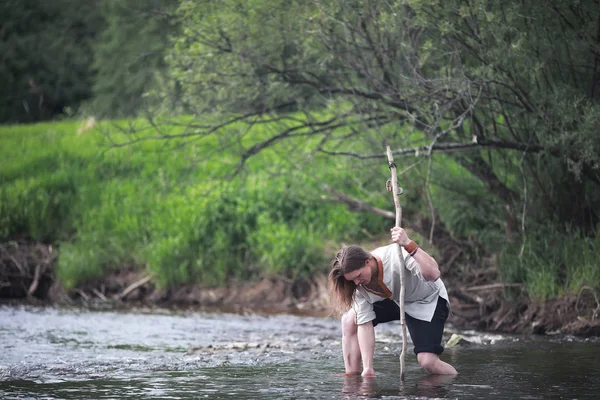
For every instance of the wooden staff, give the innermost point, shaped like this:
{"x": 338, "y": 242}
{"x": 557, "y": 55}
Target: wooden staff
{"x": 394, "y": 185}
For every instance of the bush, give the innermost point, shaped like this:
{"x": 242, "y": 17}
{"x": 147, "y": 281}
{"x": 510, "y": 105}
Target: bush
{"x": 554, "y": 262}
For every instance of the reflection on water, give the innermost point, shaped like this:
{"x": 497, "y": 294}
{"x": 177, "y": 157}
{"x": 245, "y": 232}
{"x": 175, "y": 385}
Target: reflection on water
{"x": 71, "y": 354}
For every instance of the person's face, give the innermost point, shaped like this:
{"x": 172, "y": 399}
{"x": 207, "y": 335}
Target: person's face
{"x": 361, "y": 276}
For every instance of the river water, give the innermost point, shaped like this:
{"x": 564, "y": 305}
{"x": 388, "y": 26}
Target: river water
{"x": 58, "y": 353}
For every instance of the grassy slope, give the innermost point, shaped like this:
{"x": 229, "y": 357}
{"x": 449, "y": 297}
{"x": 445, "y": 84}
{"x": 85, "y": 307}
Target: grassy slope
{"x": 175, "y": 212}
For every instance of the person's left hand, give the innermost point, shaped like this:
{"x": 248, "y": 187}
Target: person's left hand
{"x": 399, "y": 236}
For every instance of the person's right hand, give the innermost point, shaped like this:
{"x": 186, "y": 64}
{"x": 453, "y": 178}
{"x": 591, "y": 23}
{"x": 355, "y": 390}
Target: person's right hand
{"x": 399, "y": 236}
{"x": 368, "y": 373}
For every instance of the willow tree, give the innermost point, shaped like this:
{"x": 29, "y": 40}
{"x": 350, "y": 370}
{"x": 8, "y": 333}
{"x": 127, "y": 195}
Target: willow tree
{"x": 509, "y": 90}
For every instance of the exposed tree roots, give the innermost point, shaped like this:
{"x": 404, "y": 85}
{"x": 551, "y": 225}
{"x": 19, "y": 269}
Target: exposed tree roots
{"x": 26, "y": 269}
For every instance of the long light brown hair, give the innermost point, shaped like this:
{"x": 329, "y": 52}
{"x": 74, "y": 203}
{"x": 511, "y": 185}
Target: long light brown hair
{"x": 348, "y": 259}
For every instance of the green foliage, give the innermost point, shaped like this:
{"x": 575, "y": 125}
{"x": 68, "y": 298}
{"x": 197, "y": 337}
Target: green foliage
{"x": 45, "y": 54}
{"x": 513, "y": 86}
{"x": 149, "y": 206}
{"x": 296, "y": 246}
{"x": 128, "y": 54}
{"x": 173, "y": 213}
{"x": 553, "y": 262}
{"x": 226, "y": 53}
{"x": 539, "y": 55}
{"x": 415, "y": 73}
{"x": 469, "y": 210}
{"x": 63, "y": 56}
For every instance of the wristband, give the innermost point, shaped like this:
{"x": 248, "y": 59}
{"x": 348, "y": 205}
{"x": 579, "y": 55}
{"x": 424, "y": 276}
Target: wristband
{"x": 412, "y": 253}
{"x": 411, "y": 247}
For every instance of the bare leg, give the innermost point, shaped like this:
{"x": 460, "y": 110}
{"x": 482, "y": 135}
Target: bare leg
{"x": 432, "y": 363}
{"x": 350, "y": 347}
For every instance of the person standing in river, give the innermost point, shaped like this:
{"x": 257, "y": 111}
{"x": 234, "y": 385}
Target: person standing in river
{"x": 366, "y": 288}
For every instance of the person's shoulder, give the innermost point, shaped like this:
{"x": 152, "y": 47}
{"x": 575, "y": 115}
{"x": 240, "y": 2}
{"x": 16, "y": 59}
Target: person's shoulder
{"x": 385, "y": 249}
{"x": 388, "y": 254}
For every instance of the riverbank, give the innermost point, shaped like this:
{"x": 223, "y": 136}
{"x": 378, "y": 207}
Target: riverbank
{"x": 27, "y": 274}
{"x": 487, "y": 310}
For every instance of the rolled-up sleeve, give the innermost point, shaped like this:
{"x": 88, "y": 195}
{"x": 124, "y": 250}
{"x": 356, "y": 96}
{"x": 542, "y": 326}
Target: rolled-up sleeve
{"x": 412, "y": 265}
{"x": 363, "y": 309}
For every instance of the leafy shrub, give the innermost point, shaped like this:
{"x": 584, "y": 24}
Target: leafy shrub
{"x": 554, "y": 262}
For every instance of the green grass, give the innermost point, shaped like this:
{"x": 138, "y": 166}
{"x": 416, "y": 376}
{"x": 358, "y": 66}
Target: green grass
{"x": 174, "y": 210}
{"x": 169, "y": 211}
{"x": 553, "y": 263}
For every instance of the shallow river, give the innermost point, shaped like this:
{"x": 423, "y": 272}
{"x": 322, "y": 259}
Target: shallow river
{"x": 50, "y": 353}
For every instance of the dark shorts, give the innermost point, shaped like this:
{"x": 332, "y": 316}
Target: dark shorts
{"x": 426, "y": 336}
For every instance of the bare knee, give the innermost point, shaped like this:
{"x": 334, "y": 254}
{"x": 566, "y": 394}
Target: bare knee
{"x": 349, "y": 323}
{"x": 432, "y": 363}
{"x": 428, "y": 361}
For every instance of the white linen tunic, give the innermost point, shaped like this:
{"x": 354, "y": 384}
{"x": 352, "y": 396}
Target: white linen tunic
{"x": 420, "y": 297}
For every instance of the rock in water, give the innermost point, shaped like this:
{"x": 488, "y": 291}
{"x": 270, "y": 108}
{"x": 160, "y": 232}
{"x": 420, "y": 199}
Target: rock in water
{"x": 456, "y": 340}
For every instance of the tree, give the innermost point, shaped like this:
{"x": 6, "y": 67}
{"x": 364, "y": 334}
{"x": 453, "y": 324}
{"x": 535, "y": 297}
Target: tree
{"x": 129, "y": 53}
{"x": 45, "y": 53}
{"x": 508, "y": 90}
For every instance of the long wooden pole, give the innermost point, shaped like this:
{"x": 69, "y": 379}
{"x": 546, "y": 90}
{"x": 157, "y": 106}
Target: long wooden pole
{"x": 395, "y": 191}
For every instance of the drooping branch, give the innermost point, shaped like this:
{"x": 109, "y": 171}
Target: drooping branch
{"x": 357, "y": 205}
{"x": 423, "y": 151}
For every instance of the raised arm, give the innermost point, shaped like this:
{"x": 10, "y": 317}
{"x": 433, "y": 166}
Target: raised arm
{"x": 427, "y": 265}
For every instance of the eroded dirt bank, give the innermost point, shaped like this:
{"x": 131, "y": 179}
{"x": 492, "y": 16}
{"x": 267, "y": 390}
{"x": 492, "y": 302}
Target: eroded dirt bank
{"x": 479, "y": 302}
